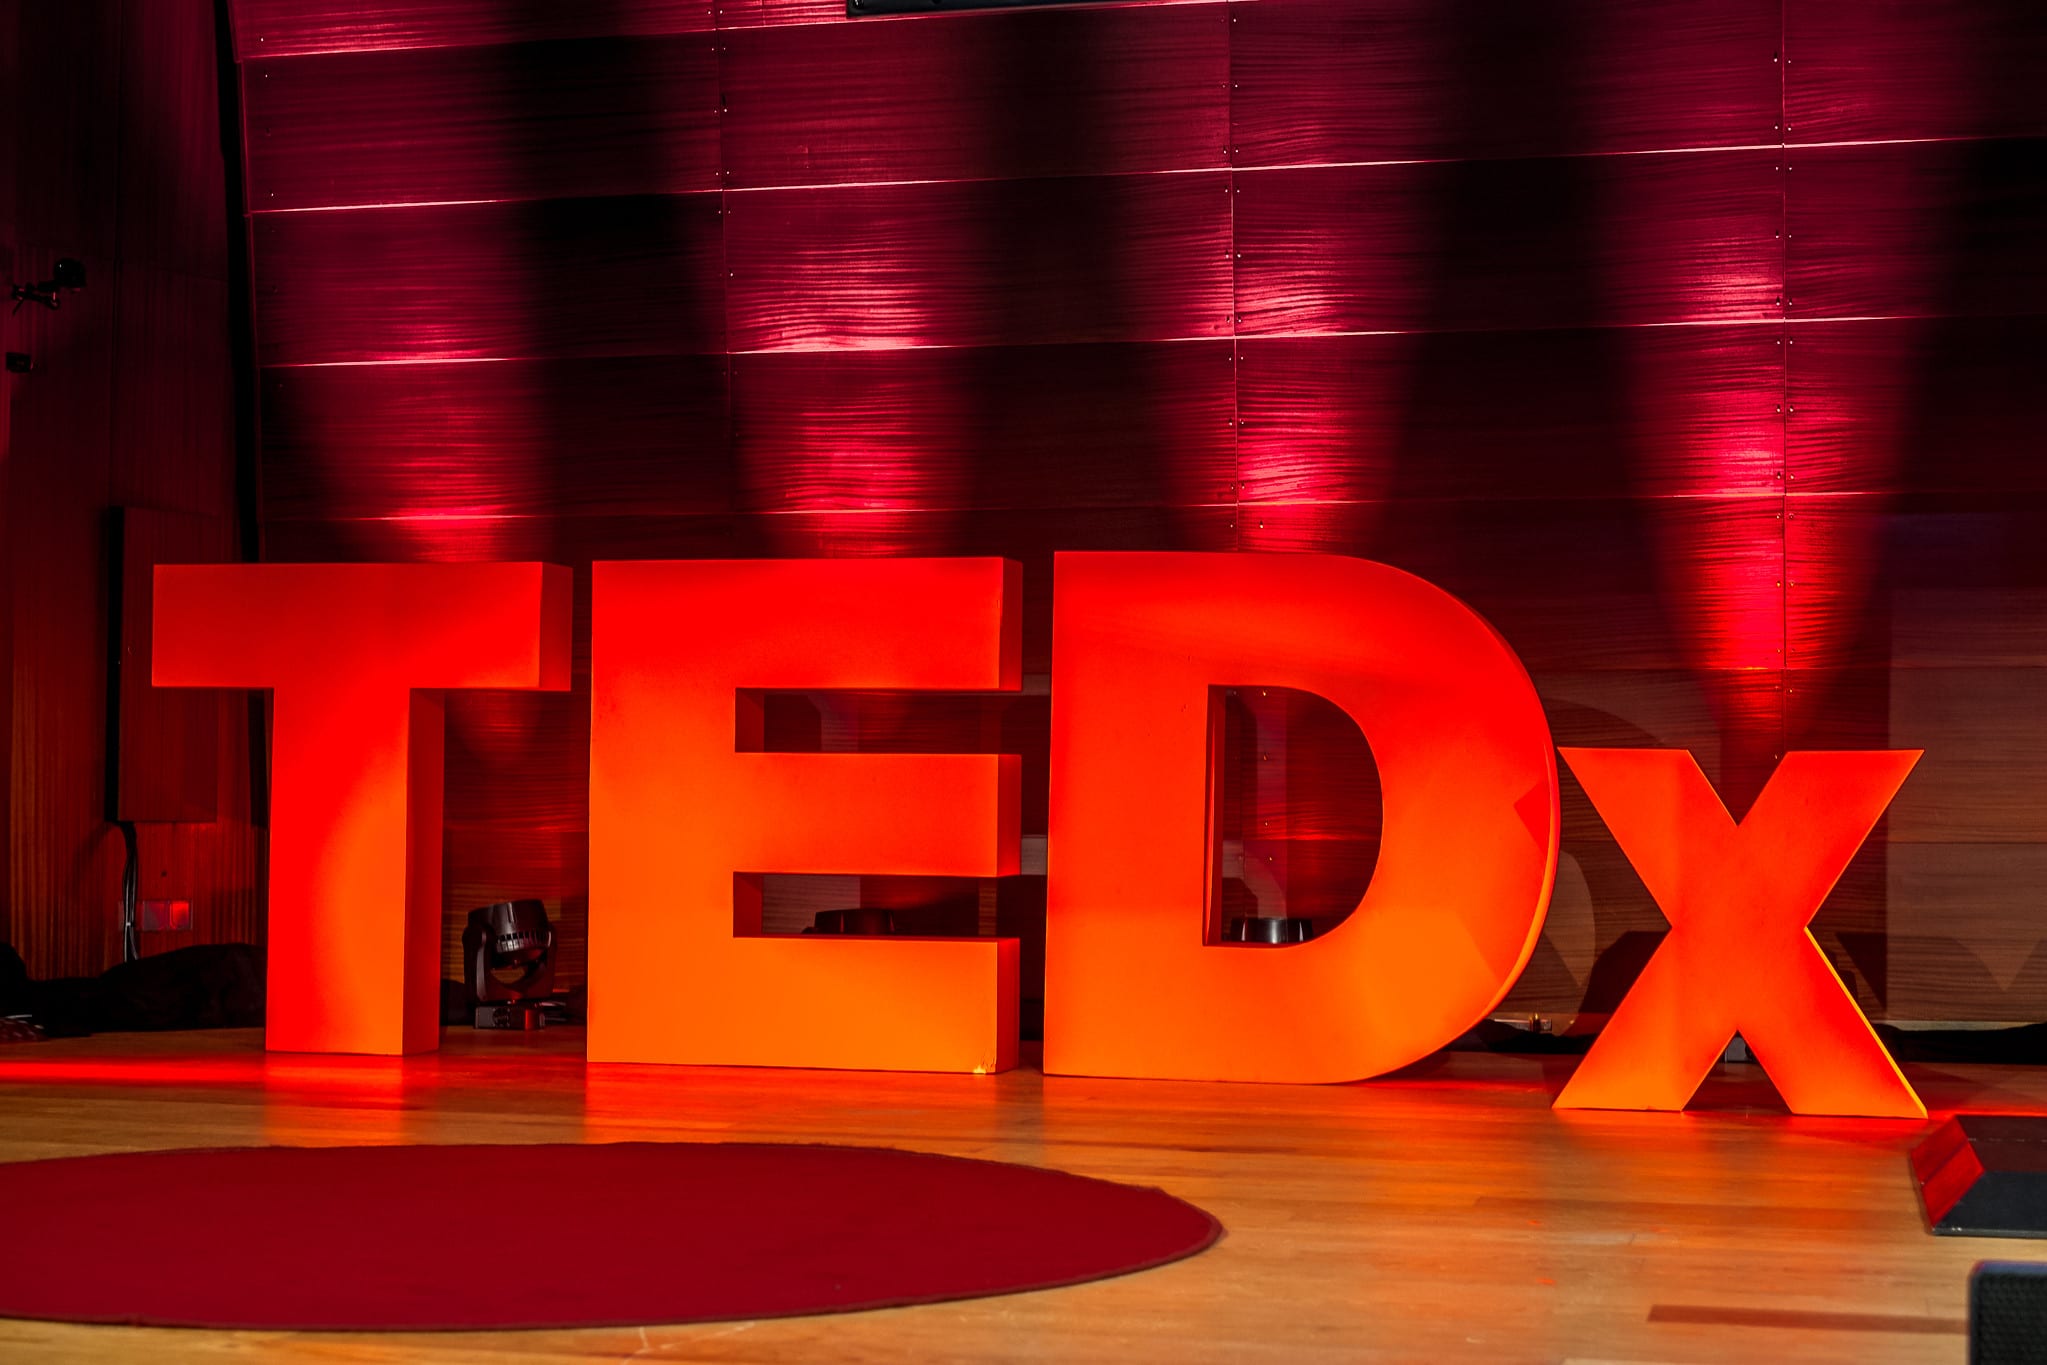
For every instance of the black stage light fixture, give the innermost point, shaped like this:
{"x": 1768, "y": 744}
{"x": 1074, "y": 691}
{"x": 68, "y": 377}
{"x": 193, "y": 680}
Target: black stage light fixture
{"x": 508, "y": 962}
{"x": 66, "y": 275}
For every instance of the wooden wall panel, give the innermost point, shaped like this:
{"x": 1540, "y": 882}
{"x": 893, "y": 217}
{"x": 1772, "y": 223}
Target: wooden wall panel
{"x": 745, "y": 14}
{"x": 605, "y": 116}
{"x": 1026, "y": 426}
{"x": 1587, "y": 242}
{"x": 1727, "y": 433}
{"x": 164, "y": 745}
{"x": 980, "y": 263}
{"x": 1520, "y": 414}
{"x": 1872, "y": 69}
{"x": 1578, "y": 585}
{"x": 1916, "y": 405}
{"x": 1945, "y": 959}
{"x": 490, "y": 438}
{"x": 116, "y": 158}
{"x": 552, "y": 278}
{"x": 171, "y": 176}
{"x": 1984, "y": 777}
{"x": 170, "y": 411}
{"x": 1954, "y": 581}
{"x": 1917, "y": 229}
{"x": 68, "y": 90}
{"x": 277, "y": 28}
{"x": 1029, "y": 93}
{"x": 1325, "y": 81}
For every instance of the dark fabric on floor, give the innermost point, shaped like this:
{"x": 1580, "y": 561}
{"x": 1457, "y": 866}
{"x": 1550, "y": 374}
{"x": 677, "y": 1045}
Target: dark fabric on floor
{"x": 471, "y": 1237}
{"x": 218, "y": 985}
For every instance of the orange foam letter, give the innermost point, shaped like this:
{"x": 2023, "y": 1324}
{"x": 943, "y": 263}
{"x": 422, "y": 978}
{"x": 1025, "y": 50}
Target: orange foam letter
{"x": 1469, "y": 834}
{"x": 1738, "y": 957}
{"x": 686, "y": 813}
{"x": 357, "y": 656}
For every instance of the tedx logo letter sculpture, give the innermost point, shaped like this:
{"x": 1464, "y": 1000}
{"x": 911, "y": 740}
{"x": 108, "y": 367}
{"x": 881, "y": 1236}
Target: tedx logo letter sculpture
{"x": 356, "y": 657}
{"x": 688, "y": 813}
{"x": 1738, "y": 956}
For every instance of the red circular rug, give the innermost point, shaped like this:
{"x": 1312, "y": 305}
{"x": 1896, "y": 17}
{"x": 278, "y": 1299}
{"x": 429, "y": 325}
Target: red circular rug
{"x": 412, "y": 1238}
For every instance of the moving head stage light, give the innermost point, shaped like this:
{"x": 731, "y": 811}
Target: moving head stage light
{"x": 508, "y": 961}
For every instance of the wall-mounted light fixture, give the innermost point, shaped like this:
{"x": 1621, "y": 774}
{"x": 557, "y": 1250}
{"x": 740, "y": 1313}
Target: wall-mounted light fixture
{"x": 66, "y": 275}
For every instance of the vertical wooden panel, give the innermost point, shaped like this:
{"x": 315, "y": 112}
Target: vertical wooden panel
{"x": 117, "y": 154}
{"x": 172, "y": 187}
{"x": 66, "y": 857}
{"x": 10, "y": 919}
{"x": 171, "y": 443}
{"x": 67, "y": 121}
{"x": 165, "y": 742}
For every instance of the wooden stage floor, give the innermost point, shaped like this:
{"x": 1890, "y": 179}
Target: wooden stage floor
{"x": 1446, "y": 1214}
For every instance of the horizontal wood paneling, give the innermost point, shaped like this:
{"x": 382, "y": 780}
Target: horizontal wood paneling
{"x": 272, "y": 28}
{"x": 1147, "y": 276}
{"x": 1924, "y": 229}
{"x": 740, "y": 14}
{"x": 1984, "y": 776}
{"x": 1027, "y": 93}
{"x": 1575, "y": 585}
{"x": 1926, "y": 582}
{"x": 1923, "y": 405}
{"x": 520, "y": 758}
{"x": 1318, "y": 81}
{"x": 1528, "y": 414}
{"x": 559, "y": 540}
{"x": 980, "y": 263}
{"x": 530, "y": 121}
{"x": 66, "y": 863}
{"x": 1863, "y": 69}
{"x": 1033, "y": 426}
{"x": 571, "y": 277}
{"x": 1964, "y": 938}
{"x": 1509, "y": 244}
{"x": 508, "y": 438}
